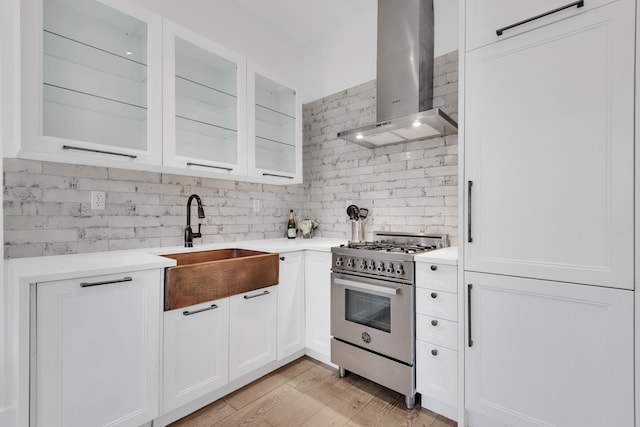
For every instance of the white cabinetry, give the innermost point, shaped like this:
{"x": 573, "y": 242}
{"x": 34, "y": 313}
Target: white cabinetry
{"x": 291, "y": 313}
{"x": 252, "y": 330}
{"x": 97, "y": 348}
{"x": 275, "y": 128}
{"x": 317, "y": 275}
{"x": 549, "y": 151}
{"x": 436, "y": 337}
{"x": 204, "y": 104}
{"x": 549, "y": 146}
{"x": 486, "y": 18}
{"x": 196, "y": 352}
{"x": 549, "y": 353}
{"x": 91, "y": 86}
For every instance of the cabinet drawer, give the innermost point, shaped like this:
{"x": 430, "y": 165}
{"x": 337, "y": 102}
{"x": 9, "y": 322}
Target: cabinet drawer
{"x": 485, "y": 17}
{"x": 436, "y": 276}
{"x": 437, "y": 372}
{"x": 432, "y": 302}
{"x": 437, "y": 331}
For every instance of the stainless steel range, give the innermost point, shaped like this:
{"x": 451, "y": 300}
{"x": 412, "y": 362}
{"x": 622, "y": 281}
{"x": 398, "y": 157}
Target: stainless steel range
{"x": 373, "y": 308}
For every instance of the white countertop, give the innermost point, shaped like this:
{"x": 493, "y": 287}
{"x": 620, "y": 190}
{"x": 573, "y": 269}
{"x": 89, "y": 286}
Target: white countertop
{"x": 60, "y": 267}
{"x": 447, "y": 256}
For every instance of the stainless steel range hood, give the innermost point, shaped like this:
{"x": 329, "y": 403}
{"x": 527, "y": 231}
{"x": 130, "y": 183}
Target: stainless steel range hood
{"x": 404, "y": 98}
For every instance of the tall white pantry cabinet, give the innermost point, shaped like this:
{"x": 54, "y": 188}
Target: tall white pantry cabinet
{"x": 548, "y": 212}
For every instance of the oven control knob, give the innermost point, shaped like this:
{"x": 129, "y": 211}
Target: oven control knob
{"x": 362, "y": 265}
{"x": 399, "y": 270}
{"x": 350, "y": 263}
{"x": 371, "y": 265}
{"x": 389, "y": 268}
{"x": 380, "y": 267}
{"x": 339, "y": 261}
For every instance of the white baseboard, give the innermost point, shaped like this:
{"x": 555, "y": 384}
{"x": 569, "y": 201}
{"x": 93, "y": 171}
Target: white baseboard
{"x": 438, "y": 407}
{"x": 320, "y": 357}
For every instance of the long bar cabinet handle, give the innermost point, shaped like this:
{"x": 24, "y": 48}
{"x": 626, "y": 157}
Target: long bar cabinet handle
{"x": 209, "y": 166}
{"x": 91, "y": 150}
{"x": 469, "y": 287}
{"x": 277, "y": 176}
{"x": 469, "y": 186}
{"x": 256, "y": 295}
{"x": 106, "y": 282}
{"x": 189, "y": 313}
{"x": 577, "y": 4}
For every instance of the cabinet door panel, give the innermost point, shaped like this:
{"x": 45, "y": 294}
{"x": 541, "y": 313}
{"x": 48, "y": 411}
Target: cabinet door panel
{"x": 549, "y": 149}
{"x": 291, "y": 312}
{"x": 549, "y": 353}
{"x": 91, "y": 81}
{"x": 443, "y": 305}
{"x": 98, "y": 351}
{"x": 485, "y": 17}
{"x": 205, "y": 104}
{"x": 196, "y": 352}
{"x": 436, "y": 276}
{"x": 252, "y": 331}
{"x": 437, "y": 372}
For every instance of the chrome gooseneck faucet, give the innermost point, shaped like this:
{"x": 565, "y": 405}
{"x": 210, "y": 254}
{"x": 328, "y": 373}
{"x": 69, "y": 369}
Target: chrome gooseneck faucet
{"x": 188, "y": 233}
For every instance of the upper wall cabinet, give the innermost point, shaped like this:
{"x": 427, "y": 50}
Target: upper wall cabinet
{"x": 275, "y": 131}
{"x": 489, "y": 21}
{"x": 204, "y": 104}
{"x": 91, "y": 82}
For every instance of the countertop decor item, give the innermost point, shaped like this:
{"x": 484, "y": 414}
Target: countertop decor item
{"x": 306, "y": 227}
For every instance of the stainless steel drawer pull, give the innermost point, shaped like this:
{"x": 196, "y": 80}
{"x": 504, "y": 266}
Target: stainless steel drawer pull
{"x": 209, "y": 166}
{"x": 106, "y": 282}
{"x": 434, "y": 267}
{"x": 577, "y": 4}
{"x": 256, "y": 295}
{"x": 91, "y": 150}
{"x": 434, "y": 295}
{"x": 434, "y": 322}
{"x": 277, "y": 176}
{"x": 189, "y": 313}
{"x": 434, "y": 352}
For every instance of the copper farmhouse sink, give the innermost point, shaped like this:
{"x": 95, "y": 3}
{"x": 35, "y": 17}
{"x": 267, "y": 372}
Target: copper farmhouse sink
{"x": 209, "y": 275}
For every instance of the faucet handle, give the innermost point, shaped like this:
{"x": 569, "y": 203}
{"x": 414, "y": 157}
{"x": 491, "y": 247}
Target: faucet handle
{"x": 199, "y": 233}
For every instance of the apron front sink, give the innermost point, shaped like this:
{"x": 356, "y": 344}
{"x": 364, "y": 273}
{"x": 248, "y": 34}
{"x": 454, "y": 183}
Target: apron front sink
{"x": 209, "y": 275}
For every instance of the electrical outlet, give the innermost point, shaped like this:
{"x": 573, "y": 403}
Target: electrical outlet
{"x": 256, "y": 206}
{"x": 98, "y": 200}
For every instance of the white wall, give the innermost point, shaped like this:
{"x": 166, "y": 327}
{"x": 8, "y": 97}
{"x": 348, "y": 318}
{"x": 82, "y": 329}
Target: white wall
{"x": 346, "y": 57}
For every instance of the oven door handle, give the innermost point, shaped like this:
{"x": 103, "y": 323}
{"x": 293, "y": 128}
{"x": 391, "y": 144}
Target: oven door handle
{"x": 367, "y": 286}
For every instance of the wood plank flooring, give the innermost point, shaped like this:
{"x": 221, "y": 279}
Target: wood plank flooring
{"x": 308, "y": 393}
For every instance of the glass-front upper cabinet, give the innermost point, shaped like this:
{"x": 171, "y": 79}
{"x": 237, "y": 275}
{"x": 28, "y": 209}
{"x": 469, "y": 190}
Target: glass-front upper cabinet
{"x": 204, "y": 104}
{"x": 275, "y": 133}
{"x": 91, "y": 87}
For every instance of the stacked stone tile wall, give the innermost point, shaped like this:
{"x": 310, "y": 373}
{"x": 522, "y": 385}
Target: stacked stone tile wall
{"x": 408, "y": 187}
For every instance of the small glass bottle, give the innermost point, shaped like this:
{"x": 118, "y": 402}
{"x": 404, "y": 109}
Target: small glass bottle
{"x": 291, "y": 226}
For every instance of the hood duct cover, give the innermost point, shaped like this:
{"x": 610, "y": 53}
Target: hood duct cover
{"x": 404, "y": 98}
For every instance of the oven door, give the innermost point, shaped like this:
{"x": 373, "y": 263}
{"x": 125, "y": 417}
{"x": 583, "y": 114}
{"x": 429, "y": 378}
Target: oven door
{"x": 376, "y": 315}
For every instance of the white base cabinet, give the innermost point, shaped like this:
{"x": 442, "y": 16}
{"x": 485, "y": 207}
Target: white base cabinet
{"x": 252, "y": 330}
{"x": 291, "y": 312}
{"x": 318, "y": 304}
{"x": 196, "y": 352}
{"x": 548, "y": 354}
{"x": 437, "y": 337}
{"x": 97, "y": 347}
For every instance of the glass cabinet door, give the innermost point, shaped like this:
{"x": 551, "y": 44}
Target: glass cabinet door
{"x": 204, "y": 104}
{"x": 89, "y": 78}
{"x": 276, "y": 130}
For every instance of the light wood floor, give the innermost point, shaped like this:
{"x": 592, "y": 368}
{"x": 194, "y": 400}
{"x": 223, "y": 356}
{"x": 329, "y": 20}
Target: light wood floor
{"x": 309, "y": 393}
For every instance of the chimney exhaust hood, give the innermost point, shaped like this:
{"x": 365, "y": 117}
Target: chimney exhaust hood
{"x": 404, "y": 97}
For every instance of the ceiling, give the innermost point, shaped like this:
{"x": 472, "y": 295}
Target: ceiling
{"x": 308, "y": 20}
